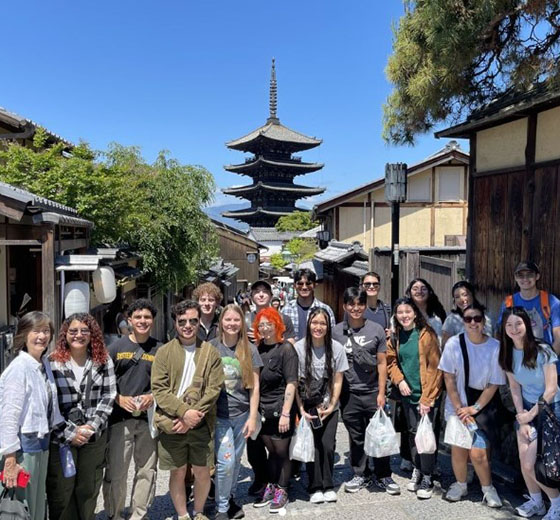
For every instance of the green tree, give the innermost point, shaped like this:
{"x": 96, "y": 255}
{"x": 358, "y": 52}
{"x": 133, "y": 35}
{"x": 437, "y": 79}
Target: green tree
{"x": 296, "y": 221}
{"x": 277, "y": 261}
{"x": 452, "y": 56}
{"x": 302, "y": 249}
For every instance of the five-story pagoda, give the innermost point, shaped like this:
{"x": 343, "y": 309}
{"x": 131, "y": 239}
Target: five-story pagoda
{"x": 272, "y": 167}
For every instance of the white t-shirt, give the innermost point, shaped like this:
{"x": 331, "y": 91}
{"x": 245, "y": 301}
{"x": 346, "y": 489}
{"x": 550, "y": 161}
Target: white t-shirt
{"x": 484, "y": 368}
{"x": 78, "y": 371}
{"x": 188, "y": 369}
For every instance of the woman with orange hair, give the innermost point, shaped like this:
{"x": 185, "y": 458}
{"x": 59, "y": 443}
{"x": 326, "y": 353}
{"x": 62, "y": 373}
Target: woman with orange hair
{"x": 278, "y": 380}
{"x": 85, "y": 380}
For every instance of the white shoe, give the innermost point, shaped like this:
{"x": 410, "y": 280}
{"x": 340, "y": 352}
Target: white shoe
{"x": 455, "y": 492}
{"x": 330, "y": 495}
{"x": 414, "y": 481}
{"x": 553, "y": 514}
{"x": 530, "y": 508}
{"x": 317, "y": 497}
{"x": 491, "y": 498}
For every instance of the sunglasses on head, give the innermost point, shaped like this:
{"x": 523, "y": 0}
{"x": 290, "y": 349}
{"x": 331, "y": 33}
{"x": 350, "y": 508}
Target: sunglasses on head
{"x": 477, "y": 319}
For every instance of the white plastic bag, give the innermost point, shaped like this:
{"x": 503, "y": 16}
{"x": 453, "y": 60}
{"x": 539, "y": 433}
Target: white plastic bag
{"x": 381, "y": 440}
{"x": 302, "y": 445}
{"x": 425, "y": 438}
{"x": 457, "y": 434}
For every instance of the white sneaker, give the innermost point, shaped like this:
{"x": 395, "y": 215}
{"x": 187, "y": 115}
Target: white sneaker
{"x": 455, "y": 492}
{"x": 491, "y": 498}
{"x": 530, "y": 508}
{"x": 330, "y": 495}
{"x": 553, "y": 514}
{"x": 317, "y": 497}
{"x": 414, "y": 481}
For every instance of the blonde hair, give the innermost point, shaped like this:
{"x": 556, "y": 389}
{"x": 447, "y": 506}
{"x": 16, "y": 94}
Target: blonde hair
{"x": 243, "y": 348}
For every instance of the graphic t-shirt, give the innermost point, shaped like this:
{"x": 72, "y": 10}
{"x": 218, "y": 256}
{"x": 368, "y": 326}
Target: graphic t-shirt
{"x": 234, "y": 399}
{"x": 371, "y": 338}
{"x": 409, "y": 360}
{"x": 532, "y": 379}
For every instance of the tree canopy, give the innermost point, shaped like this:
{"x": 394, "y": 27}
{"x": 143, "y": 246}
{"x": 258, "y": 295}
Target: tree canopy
{"x": 156, "y": 208}
{"x": 296, "y": 221}
{"x": 453, "y": 56}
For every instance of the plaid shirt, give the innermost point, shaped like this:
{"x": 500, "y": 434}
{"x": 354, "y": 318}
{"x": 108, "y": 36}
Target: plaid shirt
{"x": 291, "y": 310}
{"x": 71, "y": 395}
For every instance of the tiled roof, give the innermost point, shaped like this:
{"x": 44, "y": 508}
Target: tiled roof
{"x": 270, "y": 234}
{"x": 247, "y": 167}
{"x": 271, "y": 186}
{"x": 275, "y": 132}
{"x": 338, "y": 251}
{"x": 7, "y": 190}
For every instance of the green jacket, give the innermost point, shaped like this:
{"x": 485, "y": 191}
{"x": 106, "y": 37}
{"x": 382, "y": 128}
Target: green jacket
{"x": 167, "y": 372}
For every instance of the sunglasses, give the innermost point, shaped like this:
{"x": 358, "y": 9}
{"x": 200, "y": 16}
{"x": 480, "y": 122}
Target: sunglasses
{"x": 193, "y": 322}
{"x": 371, "y": 284}
{"x": 75, "y": 332}
{"x": 476, "y": 319}
{"x": 304, "y": 284}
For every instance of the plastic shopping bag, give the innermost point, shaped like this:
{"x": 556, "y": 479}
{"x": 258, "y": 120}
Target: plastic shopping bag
{"x": 302, "y": 445}
{"x": 381, "y": 440}
{"x": 457, "y": 434}
{"x": 425, "y": 438}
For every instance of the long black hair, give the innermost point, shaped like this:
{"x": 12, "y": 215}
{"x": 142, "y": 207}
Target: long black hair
{"x": 433, "y": 305}
{"x": 419, "y": 322}
{"x": 462, "y": 284}
{"x": 308, "y": 372}
{"x": 531, "y": 347}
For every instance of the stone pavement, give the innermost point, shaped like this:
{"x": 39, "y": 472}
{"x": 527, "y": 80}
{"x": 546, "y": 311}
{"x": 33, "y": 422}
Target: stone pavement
{"x": 367, "y": 503}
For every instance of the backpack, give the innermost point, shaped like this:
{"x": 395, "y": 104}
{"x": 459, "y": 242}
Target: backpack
{"x": 545, "y": 305}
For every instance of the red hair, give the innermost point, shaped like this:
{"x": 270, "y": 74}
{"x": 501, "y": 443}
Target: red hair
{"x": 272, "y": 315}
{"x": 96, "y": 348}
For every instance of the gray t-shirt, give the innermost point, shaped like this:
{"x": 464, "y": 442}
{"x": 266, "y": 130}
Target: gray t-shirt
{"x": 370, "y": 338}
{"x": 340, "y": 362}
{"x": 233, "y": 400}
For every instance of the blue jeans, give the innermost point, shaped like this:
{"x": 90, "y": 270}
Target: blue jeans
{"x": 229, "y": 446}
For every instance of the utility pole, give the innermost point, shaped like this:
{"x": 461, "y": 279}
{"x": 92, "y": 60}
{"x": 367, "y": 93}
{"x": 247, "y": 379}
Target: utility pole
{"x": 395, "y": 193}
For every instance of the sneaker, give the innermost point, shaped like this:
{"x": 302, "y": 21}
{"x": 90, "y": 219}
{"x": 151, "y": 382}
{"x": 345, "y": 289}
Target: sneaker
{"x": 426, "y": 488}
{"x": 456, "y": 492}
{"x": 266, "y": 497}
{"x": 279, "y": 502}
{"x": 414, "y": 481}
{"x": 355, "y": 484}
{"x": 530, "y": 508}
{"x": 256, "y": 489}
{"x": 221, "y": 516}
{"x": 317, "y": 497}
{"x": 491, "y": 498}
{"x": 235, "y": 510}
{"x": 200, "y": 516}
{"x": 553, "y": 514}
{"x": 388, "y": 485}
{"x": 330, "y": 495}
{"x": 406, "y": 465}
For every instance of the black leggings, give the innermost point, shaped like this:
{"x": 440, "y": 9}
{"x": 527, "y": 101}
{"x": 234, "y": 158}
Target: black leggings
{"x": 279, "y": 463}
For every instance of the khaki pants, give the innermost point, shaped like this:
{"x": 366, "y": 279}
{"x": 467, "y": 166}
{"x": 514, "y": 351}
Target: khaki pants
{"x": 128, "y": 439}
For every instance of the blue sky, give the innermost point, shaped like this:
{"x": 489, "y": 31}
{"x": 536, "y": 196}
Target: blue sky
{"x": 188, "y": 76}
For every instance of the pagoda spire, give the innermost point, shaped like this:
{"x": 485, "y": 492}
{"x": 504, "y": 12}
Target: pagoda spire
{"x": 273, "y": 101}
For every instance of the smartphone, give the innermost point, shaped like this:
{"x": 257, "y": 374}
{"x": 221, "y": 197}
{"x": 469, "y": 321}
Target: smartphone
{"x": 22, "y": 478}
{"x": 533, "y": 434}
{"x": 317, "y": 422}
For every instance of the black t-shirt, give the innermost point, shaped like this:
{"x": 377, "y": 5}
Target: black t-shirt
{"x": 132, "y": 379}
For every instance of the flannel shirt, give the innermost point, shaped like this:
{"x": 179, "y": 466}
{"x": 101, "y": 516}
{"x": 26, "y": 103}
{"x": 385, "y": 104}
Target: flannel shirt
{"x": 71, "y": 394}
{"x": 291, "y": 310}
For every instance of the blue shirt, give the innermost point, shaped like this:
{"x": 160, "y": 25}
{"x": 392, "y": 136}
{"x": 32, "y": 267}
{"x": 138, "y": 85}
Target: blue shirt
{"x": 532, "y": 379}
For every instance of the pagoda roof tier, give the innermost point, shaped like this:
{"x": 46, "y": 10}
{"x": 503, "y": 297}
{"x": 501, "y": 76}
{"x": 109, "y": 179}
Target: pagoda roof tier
{"x": 253, "y": 212}
{"x": 296, "y": 189}
{"x": 260, "y": 163}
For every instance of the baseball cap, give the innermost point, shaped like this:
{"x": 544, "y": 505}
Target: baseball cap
{"x": 527, "y": 266}
{"x": 264, "y": 283}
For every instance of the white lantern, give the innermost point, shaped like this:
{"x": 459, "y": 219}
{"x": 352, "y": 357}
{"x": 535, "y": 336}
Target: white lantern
{"x": 76, "y": 298}
{"x": 104, "y": 284}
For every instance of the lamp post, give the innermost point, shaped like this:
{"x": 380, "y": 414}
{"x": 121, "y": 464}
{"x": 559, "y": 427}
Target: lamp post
{"x": 395, "y": 193}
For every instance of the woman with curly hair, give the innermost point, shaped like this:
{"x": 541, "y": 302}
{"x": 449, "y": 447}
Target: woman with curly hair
{"x": 278, "y": 380}
{"x": 86, "y": 385}
{"x": 423, "y": 295}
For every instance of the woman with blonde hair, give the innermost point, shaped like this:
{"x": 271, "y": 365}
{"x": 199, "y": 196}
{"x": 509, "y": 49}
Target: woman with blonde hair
{"x": 237, "y": 406}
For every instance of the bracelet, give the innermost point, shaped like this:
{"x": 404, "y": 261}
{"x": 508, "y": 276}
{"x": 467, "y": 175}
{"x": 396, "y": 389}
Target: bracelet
{"x": 285, "y": 415}
{"x": 477, "y": 406}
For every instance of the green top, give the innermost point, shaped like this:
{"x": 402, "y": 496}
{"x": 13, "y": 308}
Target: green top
{"x": 410, "y": 363}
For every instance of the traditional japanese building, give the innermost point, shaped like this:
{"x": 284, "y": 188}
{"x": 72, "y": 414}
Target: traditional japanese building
{"x": 272, "y": 168}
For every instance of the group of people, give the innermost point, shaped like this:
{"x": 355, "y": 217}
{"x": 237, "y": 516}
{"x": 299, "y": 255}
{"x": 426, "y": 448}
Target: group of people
{"x": 75, "y": 416}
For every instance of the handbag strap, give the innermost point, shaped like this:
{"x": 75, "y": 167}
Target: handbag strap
{"x": 466, "y": 364}
{"x": 540, "y": 426}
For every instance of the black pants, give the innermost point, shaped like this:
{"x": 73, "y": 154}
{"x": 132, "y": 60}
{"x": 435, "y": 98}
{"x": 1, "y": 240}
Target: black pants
{"x": 357, "y": 410}
{"x": 320, "y": 472}
{"x": 256, "y": 454}
{"x": 425, "y": 462}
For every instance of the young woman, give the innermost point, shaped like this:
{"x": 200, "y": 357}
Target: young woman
{"x": 29, "y": 411}
{"x": 237, "y": 406}
{"x": 422, "y": 294}
{"x": 85, "y": 379}
{"x": 412, "y": 363}
{"x": 278, "y": 380}
{"x": 472, "y": 375}
{"x": 322, "y": 362}
{"x": 531, "y": 373}
{"x": 463, "y": 296}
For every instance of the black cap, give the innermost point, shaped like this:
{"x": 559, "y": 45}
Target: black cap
{"x": 261, "y": 282}
{"x": 527, "y": 266}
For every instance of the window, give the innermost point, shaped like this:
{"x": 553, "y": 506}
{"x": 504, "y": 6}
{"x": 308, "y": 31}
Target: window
{"x": 449, "y": 185}
{"x": 419, "y": 188}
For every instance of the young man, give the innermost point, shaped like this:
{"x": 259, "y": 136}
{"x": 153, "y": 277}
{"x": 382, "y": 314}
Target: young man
{"x": 186, "y": 381}
{"x": 363, "y": 389}
{"x": 376, "y": 310}
{"x": 129, "y": 431}
{"x": 298, "y": 309}
{"x": 209, "y": 297}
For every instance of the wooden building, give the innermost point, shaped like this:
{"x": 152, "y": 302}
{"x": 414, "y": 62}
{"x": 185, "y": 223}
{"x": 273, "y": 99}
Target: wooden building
{"x": 514, "y": 191}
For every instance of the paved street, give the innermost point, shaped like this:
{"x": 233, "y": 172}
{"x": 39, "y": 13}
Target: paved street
{"x": 367, "y": 503}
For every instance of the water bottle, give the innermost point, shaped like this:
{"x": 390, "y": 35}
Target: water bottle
{"x": 67, "y": 461}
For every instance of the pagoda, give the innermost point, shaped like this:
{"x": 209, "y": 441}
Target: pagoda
{"x": 272, "y": 168}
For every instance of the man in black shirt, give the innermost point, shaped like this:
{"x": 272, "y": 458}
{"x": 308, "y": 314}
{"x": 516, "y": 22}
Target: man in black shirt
{"x": 129, "y": 428}
{"x": 209, "y": 297}
{"x": 376, "y": 310}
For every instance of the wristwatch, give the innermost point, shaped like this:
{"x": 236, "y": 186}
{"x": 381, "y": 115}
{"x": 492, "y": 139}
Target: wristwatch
{"x": 477, "y": 407}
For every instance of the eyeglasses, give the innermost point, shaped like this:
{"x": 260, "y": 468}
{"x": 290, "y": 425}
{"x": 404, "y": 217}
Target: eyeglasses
{"x": 477, "y": 319}
{"x": 265, "y": 325}
{"x": 375, "y": 285}
{"x": 419, "y": 289}
{"x": 304, "y": 284}
{"x": 193, "y": 322}
{"x": 527, "y": 275}
{"x": 318, "y": 324}
{"x": 75, "y": 332}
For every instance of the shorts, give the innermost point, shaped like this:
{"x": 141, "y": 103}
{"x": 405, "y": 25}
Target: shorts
{"x": 480, "y": 440}
{"x": 270, "y": 428}
{"x": 177, "y": 450}
{"x": 555, "y": 405}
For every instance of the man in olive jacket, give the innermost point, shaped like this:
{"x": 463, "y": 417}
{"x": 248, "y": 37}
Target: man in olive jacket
{"x": 187, "y": 376}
